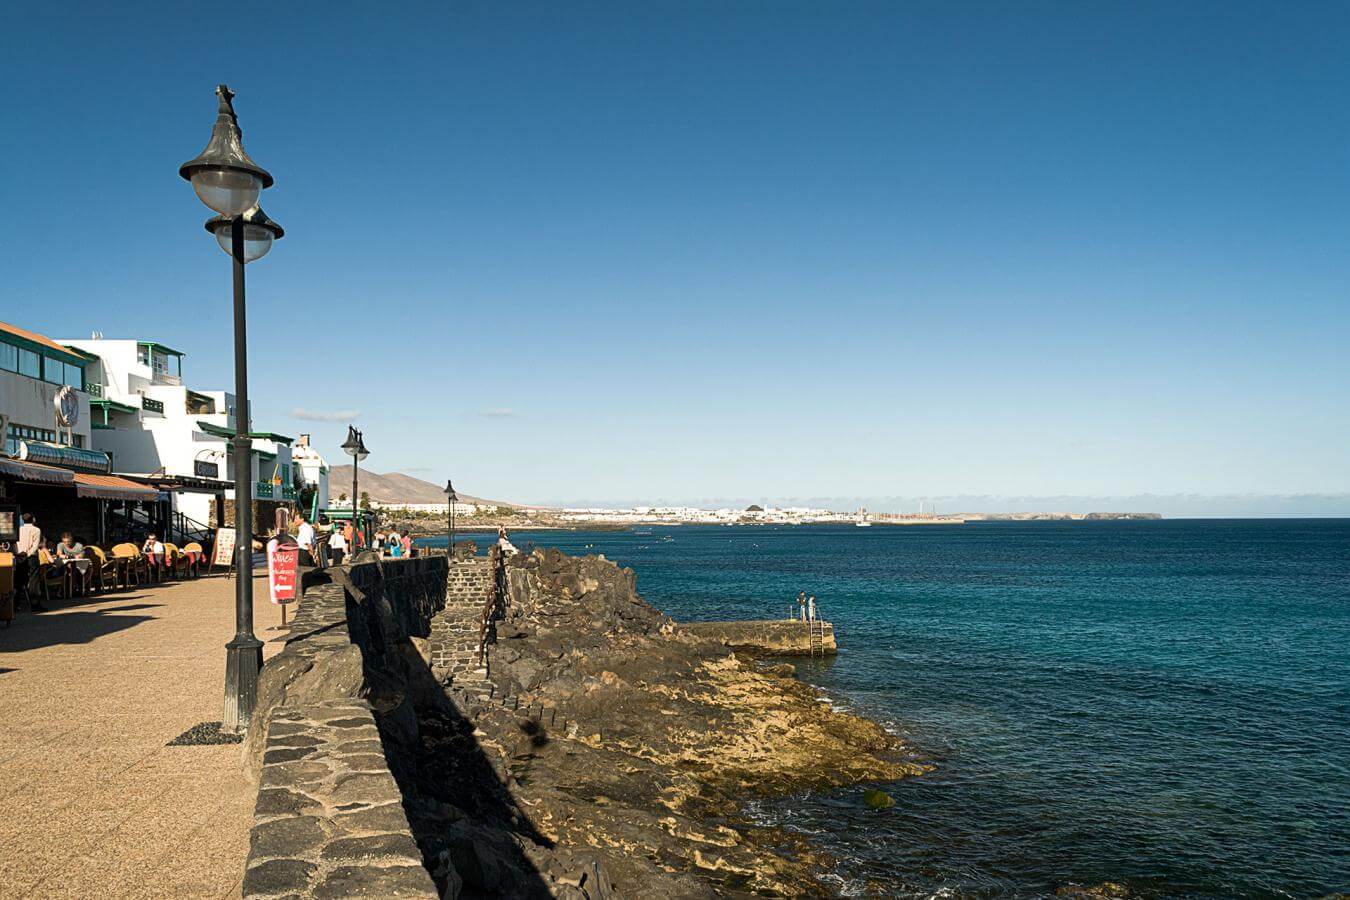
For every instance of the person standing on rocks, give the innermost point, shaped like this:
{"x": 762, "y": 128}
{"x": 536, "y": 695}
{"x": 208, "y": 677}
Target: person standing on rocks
{"x": 801, "y": 605}
{"x": 507, "y": 548}
{"x": 811, "y": 608}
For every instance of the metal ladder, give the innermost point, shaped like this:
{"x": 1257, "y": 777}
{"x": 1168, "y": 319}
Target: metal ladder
{"x": 817, "y": 632}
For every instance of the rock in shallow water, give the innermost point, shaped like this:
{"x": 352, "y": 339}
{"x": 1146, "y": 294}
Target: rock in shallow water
{"x": 876, "y": 799}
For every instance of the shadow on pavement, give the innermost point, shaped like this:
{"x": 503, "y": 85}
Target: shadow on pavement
{"x": 70, "y": 625}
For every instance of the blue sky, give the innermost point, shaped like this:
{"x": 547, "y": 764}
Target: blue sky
{"x": 690, "y": 251}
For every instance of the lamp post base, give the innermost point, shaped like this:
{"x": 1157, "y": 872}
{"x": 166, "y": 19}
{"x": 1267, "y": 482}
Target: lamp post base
{"x": 243, "y": 662}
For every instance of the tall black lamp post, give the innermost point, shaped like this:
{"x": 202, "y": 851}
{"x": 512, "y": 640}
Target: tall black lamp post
{"x": 355, "y": 447}
{"x": 228, "y": 182}
{"x": 451, "y": 497}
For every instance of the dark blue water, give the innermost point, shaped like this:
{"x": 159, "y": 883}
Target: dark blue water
{"x": 1161, "y": 704}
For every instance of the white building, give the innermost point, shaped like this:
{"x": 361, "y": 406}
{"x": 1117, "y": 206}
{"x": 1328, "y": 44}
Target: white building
{"x": 311, "y": 470}
{"x": 461, "y": 508}
{"x": 151, "y": 423}
{"x": 33, "y": 368}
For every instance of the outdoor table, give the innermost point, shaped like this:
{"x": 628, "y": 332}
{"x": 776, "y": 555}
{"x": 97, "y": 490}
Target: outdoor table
{"x": 70, "y": 568}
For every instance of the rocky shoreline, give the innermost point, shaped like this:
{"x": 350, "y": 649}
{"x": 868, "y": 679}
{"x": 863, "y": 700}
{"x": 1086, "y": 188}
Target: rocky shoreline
{"x": 628, "y": 776}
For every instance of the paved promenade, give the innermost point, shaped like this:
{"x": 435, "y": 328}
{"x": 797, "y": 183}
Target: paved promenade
{"x": 92, "y": 802}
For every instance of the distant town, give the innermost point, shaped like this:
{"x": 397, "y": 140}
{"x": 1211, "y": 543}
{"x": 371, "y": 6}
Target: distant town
{"x": 477, "y": 512}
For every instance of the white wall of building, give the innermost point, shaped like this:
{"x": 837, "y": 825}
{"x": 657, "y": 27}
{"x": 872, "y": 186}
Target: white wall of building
{"x": 30, "y": 402}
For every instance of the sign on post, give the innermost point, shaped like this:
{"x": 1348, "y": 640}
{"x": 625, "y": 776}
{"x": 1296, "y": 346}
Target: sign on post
{"x": 224, "y": 549}
{"x": 283, "y": 571}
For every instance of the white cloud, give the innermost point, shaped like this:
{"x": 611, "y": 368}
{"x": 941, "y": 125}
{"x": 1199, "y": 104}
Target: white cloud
{"x": 499, "y": 413}
{"x": 319, "y": 415}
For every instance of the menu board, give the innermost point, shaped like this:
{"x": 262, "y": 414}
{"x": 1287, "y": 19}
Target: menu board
{"x": 224, "y": 551}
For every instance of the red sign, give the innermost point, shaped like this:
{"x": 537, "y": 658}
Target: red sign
{"x": 283, "y": 570}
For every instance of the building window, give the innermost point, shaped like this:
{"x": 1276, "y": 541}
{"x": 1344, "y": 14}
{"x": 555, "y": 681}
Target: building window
{"x": 143, "y": 355}
{"x": 200, "y": 405}
{"x": 30, "y": 363}
{"x": 19, "y": 433}
{"x": 34, "y": 365}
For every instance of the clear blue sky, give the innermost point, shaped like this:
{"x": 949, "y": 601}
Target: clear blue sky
{"x": 691, "y": 251}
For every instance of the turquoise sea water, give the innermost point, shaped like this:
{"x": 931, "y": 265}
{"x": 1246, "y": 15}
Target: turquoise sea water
{"x": 1160, "y": 704}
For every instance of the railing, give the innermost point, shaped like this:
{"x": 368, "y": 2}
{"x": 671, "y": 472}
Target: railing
{"x": 152, "y": 405}
{"x": 188, "y": 530}
{"x": 262, "y": 490}
{"x": 165, "y": 378}
{"x": 93, "y": 389}
{"x": 493, "y": 596}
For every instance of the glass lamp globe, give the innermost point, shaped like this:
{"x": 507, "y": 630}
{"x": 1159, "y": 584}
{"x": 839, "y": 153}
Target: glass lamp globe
{"x": 351, "y": 446}
{"x": 257, "y": 241}
{"x": 230, "y": 192}
{"x": 225, "y": 178}
{"x": 259, "y": 233}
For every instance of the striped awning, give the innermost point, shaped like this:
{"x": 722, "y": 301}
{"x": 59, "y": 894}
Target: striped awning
{"x": 36, "y": 472}
{"x": 110, "y": 487}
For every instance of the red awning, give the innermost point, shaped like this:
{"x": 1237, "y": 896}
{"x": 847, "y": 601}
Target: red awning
{"x": 110, "y": 487}
{"x": 26, "y": 471}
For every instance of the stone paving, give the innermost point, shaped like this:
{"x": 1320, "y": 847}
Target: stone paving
{"x": 329, "y": 819}
{"x": 92, "y": 802}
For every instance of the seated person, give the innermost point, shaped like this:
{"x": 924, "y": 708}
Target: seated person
{"x": 69, "y": 548}
{"x": 153, "y": 549}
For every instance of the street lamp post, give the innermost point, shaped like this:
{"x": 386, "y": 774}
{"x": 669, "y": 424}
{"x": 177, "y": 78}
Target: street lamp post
{"x": 355, "y": 447}
{"x": 228, "y": 182}
{"x": 450, "y": 496}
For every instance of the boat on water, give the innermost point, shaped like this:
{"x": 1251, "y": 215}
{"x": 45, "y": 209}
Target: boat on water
{"x": 862, "y": 519}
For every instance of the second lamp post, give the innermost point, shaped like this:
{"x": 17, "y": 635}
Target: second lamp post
{"x": 355, "y": 447}
{"x": 450, "y": 497}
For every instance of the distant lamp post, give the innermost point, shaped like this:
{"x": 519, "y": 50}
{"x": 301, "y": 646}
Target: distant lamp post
{"x": 228, "y": 182}
{"x": 355, "y": 447}
{"x": 451, "y": 496}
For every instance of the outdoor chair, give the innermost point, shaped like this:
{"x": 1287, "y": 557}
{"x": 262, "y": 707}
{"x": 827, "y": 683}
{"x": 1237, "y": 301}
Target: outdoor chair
{"x": 173, "y": 560}
{"x": 102, "y": 570}
{"x": 7, "y": 588}
{"x": 130, "y": 563}
{"x": 51, "y": 577}
{"x": 196, "y": 558}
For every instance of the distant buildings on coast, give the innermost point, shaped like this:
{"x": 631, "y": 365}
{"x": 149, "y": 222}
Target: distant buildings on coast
{"x": 752, "y": 515}
{"x": 801, "y": 515}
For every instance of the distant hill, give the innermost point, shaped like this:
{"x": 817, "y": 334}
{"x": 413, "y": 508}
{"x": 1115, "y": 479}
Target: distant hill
{"x": 395, "y": 487}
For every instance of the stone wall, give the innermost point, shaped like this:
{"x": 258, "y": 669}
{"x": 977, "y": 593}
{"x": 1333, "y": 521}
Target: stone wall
{"x": 786, "y": 637}
{"x": 455, "y": 632}
{"x": 329, "y": 819}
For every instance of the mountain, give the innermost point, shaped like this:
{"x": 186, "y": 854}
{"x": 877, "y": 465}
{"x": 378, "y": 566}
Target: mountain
{"x": 395, "y": 487}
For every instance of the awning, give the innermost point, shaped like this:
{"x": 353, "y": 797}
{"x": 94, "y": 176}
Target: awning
{"x": 26, "y": 471}
{"x": 110, "y": 487}
{"x": 190, "y": 484}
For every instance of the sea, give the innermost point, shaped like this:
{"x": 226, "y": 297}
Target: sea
{"x": 1163, "y": 705}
